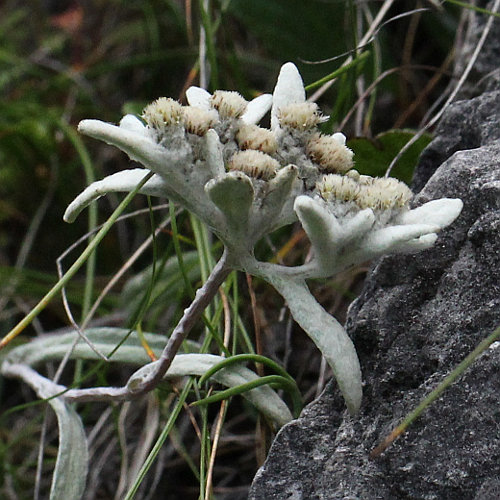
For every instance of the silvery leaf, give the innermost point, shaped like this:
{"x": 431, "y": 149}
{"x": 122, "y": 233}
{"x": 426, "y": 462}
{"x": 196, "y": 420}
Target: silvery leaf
{"x": 328, "y": 335}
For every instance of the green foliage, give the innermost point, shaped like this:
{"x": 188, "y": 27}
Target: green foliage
{"x": 312, "y": 29}
{"x": 168, "y": 286}
{"x": 373, "y": 156}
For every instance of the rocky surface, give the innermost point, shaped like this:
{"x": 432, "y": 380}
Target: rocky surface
{"x": 417, "y": 318}
{"x": 466, "y": 125}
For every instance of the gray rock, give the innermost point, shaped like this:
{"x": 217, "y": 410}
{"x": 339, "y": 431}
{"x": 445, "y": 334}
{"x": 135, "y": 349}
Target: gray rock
{"x": 490, "y": 490}
{"x": 466, "y": 125}
{"x": 416, "y": 319}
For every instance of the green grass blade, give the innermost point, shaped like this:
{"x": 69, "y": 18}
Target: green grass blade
{"x": 360, "y": 60}
{"x": 74, "y": 268}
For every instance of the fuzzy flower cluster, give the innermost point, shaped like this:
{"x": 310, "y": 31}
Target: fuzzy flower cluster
{"x": 245, "y": 181}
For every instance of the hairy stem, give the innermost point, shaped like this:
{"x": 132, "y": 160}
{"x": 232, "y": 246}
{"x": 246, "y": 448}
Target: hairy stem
{"x": 203, "y": 297}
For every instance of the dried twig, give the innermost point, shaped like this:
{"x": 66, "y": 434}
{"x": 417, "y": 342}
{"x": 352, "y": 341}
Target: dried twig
{"x": 203, "y": 297}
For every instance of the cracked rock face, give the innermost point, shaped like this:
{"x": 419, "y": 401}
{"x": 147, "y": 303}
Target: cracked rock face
{"x": 416, "y": 319}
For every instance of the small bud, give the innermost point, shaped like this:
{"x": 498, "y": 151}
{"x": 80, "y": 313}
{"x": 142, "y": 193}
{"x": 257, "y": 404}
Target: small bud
{"x": 255, "y": 164}
{"x": 365, "y": 180}
{"x": 334, "y": 187}
{"x": 340, "y": 137}
{"x": 229, "y": 104}
{"x": 255, "y": 137}
{"x": 301, "y": 116}
{"x": 329, "y": 154}
{"x": 198, "y": 121}
{"x": 163, "y": 113}
{"x": 353, "y": 174}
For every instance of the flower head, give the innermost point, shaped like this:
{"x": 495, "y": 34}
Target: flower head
{"x": 228, "y": 103}
{"x": 162, "y": 114}
{"x": 255, "y": 164}
{"x": 330, "y": 153}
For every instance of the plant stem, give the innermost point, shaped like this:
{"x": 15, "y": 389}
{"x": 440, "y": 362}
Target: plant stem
{"x": 203, "y": 297}
{"x": 338, "y": 72}
{"x": 160, "y": 442}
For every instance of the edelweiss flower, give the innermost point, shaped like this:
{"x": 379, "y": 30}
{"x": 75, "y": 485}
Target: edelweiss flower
{"x": 245, "y": 181}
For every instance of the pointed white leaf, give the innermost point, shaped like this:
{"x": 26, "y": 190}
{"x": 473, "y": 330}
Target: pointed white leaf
{"x": 328, "y": 335}
{"x": 264, "y": 398}
{"x": 340, "y": 138}
{"x": 133, "y": 124}
{"x": 233, "y": 195}
{"x": 273, "y": 213}
{"x": 70, "y": 472}
{"x": 358, "y": 226}
{"x": 289, "y": 89}
{"x": 71, "y": 468}
{"x": 440, "y": 212}
{"x": 390, "y": 238}
{"x": 121, "y": 182}
{"x": 198, "y": 97}
{"x": 322, "y": 228}
{"x": 105, "y": 340}
{"x": 130, "y": 130}
{"x": 257, "y": 108}
{"x": 142, "y": 148}
{"x": 215, "y": 159}
{"x": 170, "y": 161}
{"x": 417, "y": 245}
{"x": 132, "y": 351}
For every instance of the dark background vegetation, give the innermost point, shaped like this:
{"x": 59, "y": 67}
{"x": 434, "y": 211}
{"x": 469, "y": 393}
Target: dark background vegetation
{"x": 62, "y": 61}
